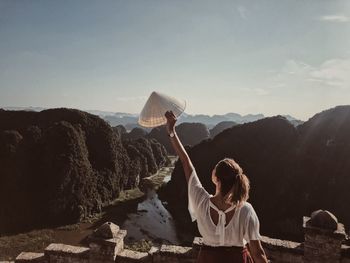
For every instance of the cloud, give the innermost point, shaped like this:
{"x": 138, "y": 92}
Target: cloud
{"x": 242, "y": 11}
{"x": 295, "y": 67}
{"x": 338, "y": 18}
{"x": 332, "y": 73}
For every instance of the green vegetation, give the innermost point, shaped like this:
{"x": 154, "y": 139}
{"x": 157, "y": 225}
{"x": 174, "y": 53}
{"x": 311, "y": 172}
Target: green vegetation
{"x": 68, "y": 227}
{"x": 34, "y": 241}
{"x": 142, "y": 245}
{"x": 37, "y": 240}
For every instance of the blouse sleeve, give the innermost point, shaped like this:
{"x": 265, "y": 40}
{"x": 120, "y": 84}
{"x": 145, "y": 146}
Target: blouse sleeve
{"x": 196, "y": 194}
{"x": 252, "y": 227}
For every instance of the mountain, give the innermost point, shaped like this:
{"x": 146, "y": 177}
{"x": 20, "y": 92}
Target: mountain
{"x": 189, "y": 133}
{"x": 135, "y": 133}
{"x": 30, "y": 108}
{"x": 113, "y": 118}
{"x": 119, "y": 130}
{"x": 244, "y": 118}
{"x": 117, "y": 119}
{"x": 59, "y": 166}
{"x": 95, "y": 112}
{"x": 293, "y": 170}
{"x": 146, "y": 157}
{"x": 293, "y": 120}
{"x": 211, "y": 121}
{"x": 221, "y": 126}
{"x": 130, "y": 120}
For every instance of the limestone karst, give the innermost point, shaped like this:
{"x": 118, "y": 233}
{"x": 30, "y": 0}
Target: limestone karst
{"x": 61, "y": 165}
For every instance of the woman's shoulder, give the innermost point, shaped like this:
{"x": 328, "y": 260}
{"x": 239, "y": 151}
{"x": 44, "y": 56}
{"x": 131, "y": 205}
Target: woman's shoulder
{"x": 246, "y": 208}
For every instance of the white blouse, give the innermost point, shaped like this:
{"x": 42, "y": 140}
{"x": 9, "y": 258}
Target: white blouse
{"x": 243, "y": 226}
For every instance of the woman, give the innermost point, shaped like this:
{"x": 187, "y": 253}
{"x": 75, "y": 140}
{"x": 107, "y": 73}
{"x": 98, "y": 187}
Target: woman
{"x": 226, "y": 221}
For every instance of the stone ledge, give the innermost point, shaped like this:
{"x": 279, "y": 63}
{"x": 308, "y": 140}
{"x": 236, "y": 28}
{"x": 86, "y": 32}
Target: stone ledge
{"x": 30, "y": 257}
{"x": 67, "y": 250}
{"x": 128, "y": 255}
{"x": 178, "y": 251}
{"x": 345, "y": 251}
{"x": 269, "y": 243}
{"x": 153, "y": 250}
{"x": 282, "y": 245}
{"x": 197, "y": 242}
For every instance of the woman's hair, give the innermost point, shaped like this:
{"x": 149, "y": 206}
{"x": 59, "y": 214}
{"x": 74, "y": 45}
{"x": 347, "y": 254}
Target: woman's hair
{"x": 234, "y": 184}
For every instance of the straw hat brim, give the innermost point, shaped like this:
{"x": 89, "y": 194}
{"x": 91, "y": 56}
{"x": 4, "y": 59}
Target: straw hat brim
{"x": 153, "y": 113}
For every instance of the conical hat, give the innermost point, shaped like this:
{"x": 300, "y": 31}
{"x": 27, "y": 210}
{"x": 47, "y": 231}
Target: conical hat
{"x": 152, "y": 114}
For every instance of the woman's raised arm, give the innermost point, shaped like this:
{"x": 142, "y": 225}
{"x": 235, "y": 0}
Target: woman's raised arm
{"x": 177, "y": 145}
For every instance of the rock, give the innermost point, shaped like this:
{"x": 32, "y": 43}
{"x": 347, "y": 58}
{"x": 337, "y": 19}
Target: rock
{"x": 129, "y": 256}
{"x": 106, "y": 231}
{"x": 221, "y": 126}
{"x": 120, "y": 130}
{"x": 324, "y": 219}
{"x": 30, "y": 257}
{"x": 189, "y": 134}
{"x": 135, "y": 134}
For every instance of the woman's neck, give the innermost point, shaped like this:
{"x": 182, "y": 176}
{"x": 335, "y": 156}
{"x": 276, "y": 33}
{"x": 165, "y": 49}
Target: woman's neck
{"x": 219, "y": 200}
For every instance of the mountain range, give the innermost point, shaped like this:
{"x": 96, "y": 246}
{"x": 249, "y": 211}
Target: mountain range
{"x": 129, "y": 120}
{"x": 61, "y": 165}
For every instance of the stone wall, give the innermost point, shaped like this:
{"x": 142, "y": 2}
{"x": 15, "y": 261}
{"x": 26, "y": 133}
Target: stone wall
{"x": 283, "y": 251}
{"x": 322, "y": 244}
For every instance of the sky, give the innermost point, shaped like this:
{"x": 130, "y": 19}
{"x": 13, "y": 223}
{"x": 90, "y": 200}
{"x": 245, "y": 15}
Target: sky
{"x": 263, "y": 56}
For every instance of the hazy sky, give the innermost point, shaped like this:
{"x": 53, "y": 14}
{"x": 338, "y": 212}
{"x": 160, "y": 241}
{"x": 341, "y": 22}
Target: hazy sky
{"x": 263, "y": 56}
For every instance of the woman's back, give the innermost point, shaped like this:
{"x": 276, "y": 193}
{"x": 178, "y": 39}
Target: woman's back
{"x": 223, "y": 242}
{"x": 235, "y": 226}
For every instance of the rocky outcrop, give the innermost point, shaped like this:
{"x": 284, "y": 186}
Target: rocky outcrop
{"x": 293, "y": 170}
{"x": 135, "y": 133}
{"x": 189, "y": 133}
{"x": 59, "y": 166}
{"x": 221, "y": 126}
{"x": 146, "y": 156}
{"x": 119, "y": 130}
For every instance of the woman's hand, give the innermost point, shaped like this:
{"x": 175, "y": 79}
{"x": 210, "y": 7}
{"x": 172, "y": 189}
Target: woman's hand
{"x": 171, "y": 120}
